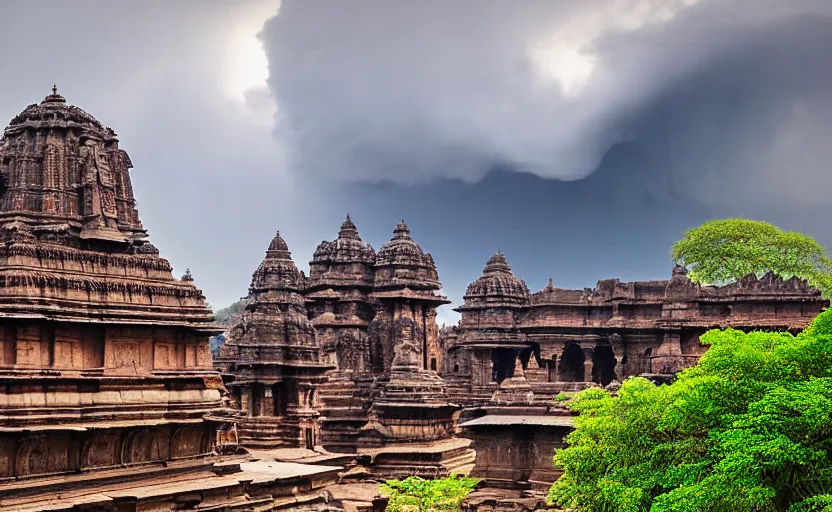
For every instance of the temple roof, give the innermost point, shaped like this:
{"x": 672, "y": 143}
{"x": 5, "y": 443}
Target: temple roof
{"x": 72, "y": 247}
{"x": 347, "y": 248}
{"x": 346, "y": 261}
{"x": 277, "y": 272}
{"x": 348, "y": 230}
{"x": 401, "y": 264}
{"x": 497, "y": 287}
{"x": 54, "y": 112}
{"x": 275, "y": 315}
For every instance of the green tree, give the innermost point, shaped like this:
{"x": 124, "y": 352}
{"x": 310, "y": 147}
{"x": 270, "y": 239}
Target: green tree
{"x": 749, "y": 428}
{"x": 417, "y": 494}
{"x": 721, "y": 251}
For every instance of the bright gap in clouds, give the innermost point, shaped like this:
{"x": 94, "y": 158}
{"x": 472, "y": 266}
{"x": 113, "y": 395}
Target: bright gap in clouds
{"x": 245, "y": 65}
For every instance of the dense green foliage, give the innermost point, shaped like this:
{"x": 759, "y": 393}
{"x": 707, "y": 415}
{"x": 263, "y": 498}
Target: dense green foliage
{"x": 747, "y": 429}
{"x": 228, "y": 316}
{"x": 721, "y": 251}
{"x": 417, "y": 494}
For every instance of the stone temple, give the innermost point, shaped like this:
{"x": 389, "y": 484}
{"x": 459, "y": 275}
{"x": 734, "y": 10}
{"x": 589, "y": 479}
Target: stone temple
{"x": 570, "y": 339}
{"x": 111, "y": 401}
{"x": 368, "y": 317}
{"x": 108, "y": 397}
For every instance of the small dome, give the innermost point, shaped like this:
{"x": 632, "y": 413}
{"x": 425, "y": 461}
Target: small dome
{"x": 54, "y": 112}
{"x": 497, "y": 264}
{"x": 277, "y": 272}
{"x": 345, "y": 261}
{"x": 497, "y": 286}
{"x": 401, "y": 262}
{"x": 347, "y": 248}
{"x": 402, "y": 247}
{"x": 278, "y": 248}
{"x": 348, "y": 230}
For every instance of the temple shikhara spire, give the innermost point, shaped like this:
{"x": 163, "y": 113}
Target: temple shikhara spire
{"x": 110, "y": 399}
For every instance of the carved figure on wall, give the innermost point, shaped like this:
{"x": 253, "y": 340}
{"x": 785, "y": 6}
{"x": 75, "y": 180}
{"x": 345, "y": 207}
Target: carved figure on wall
{"x": 405, "y": 354}
{"x": 99, "y": 207}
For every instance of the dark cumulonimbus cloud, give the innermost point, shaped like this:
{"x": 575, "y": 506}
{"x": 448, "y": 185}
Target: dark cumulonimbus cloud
{"x": 730, "y": 93}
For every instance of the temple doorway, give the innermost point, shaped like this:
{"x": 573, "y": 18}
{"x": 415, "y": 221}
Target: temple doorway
{"x": 647, "y": 362}
{"x": 310, "y": 439}
{"x": 502, "y": 360}
{"x": 603, "y": 365}
{"x": 280, "y": 398}
{"x": 255, "y": 404}
{"x": 572, "y": 364}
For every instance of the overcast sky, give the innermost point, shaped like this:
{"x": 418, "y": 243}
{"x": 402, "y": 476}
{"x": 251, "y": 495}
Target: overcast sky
{"x": 580, "y": 137}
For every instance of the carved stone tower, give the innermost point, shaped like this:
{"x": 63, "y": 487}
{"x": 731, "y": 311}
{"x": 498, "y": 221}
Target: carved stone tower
{"x": 338, "y": 298}
{"x": 272, "y": 359}
{"x": 105, "y": 369}
{"x": 406, "y": 295}
{"x": 411, "y": 424}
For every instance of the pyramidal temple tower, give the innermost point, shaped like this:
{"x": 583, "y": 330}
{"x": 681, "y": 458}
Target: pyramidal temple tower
{"x": 411, "y": 425}
{"x": 105, "y": 370}
{"x": 272, "y": 360}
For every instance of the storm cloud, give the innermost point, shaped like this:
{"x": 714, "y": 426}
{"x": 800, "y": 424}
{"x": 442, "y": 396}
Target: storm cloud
{"x": 580, "y": 137}
{"x": 719, "y": 92}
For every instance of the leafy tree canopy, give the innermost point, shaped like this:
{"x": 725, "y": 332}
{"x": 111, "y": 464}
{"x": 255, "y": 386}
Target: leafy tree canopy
{"x": 420, "y": 495}
{"x": 721, "y": 251}
{"x": 749, "y": 428}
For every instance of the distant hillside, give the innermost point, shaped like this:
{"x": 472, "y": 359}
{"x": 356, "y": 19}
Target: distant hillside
{"x": 229, "y": 316}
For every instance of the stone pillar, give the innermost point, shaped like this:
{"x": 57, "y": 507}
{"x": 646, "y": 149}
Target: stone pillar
{"x": 245, "y": 399}
{"x": 617, "y": 344}
{"x": 588, "y": 363}
{"x": 557, "y": 358}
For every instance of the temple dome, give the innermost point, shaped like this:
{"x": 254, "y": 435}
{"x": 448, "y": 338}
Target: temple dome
{"x": 275, "y": 316}
{"x": 347, "y": 248}
{"x": 401, "y": 262}
{"x": 64, "y": 179}
{"x": 346, "y": 261}
{"x": 54, "y": 112}
{"x": 497, "y": 286}
{"x": 278, "y": 249}
{"x": 401, "y": 249}
{"x": 277, "y": 272}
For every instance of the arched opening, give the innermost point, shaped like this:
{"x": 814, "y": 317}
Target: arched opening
{"x": 255, "y": 404}
{"x": 502, "y": 364}
{"x": 552, "y": 369}
{"x": 456, "y": 368}
{"x": 279, "y": 396}
{"x": 647, "y": 364}
{"x": 433, "y": 363}
{"x": 603, "y": 365}
{"x": 572, "y": 364}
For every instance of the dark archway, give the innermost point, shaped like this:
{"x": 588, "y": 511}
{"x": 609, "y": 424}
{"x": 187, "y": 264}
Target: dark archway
{"x": 502, "y": 360}
{"x": 280, "y": 397}
{"x": 433, "y": 363}
{"x": 603, "y": 365}
{"x": 255, "y": 404}
{"x": 647, "y": 364}
{"x": 572, "y": 364}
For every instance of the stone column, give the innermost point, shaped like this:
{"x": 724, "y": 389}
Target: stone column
{"x": 617, "y": 344}
{"x": 245, "y": 399}
{"x": 557, "y": 357}
{"x": 588, "y": 351}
